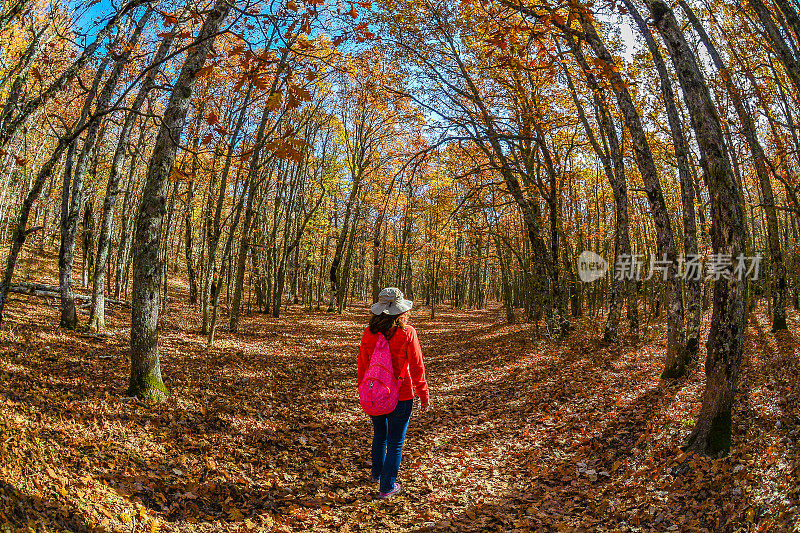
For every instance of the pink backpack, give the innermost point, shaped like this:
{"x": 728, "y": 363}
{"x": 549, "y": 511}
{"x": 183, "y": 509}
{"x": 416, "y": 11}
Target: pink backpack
{"x": 379, "y": 390}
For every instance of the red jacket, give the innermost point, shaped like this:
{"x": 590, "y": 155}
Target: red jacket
{"x": 406, "y": 361}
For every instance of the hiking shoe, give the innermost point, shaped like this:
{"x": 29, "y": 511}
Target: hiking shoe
{"x": 395, "y": 490}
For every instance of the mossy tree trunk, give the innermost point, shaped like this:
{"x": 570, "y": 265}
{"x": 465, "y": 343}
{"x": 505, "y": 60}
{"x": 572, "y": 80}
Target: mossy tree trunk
{"x": 712, "y": 432}
{"x": 677, "y": 355}
{"x": 778, "y": 287}
{"x": 145, "y": 377}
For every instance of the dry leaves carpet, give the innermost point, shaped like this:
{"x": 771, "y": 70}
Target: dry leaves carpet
{"x": 263, "y": 431}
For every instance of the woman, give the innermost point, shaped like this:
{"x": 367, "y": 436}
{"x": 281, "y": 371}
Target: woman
{"x": 390, "y": 318}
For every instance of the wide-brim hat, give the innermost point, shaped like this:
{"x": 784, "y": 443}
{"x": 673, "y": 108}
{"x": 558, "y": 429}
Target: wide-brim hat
{"x": 391, "y": 302}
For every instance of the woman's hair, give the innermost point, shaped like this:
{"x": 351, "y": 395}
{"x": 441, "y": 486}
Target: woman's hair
{"x": 387, "y": 324}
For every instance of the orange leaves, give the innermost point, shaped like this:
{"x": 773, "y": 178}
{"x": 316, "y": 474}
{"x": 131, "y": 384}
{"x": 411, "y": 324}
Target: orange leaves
{"x": 498, "y": 39}
{"x": 296, "y": 95}
{"x": 212, "y": 119}
{"x": 363, "y": 33}
{"x": 290, "y": 149}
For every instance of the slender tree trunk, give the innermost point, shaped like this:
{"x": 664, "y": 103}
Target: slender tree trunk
{"x": 692, "y": 283}
{"x": 127, "y": 207}
{"x": 190, "y": 269}
{"x": 241, "y": 263}
{"x": 69, "y": 316}
{"x": 335, "y": 271}
{"x": 244, "y": 245}
{"x": 677, "y": 355}
{"x": 88, "y": 243}
{"x": 72, "y": 195}
{"x": 97, "y": 316}
{"x": 21, "y": 226}
{"x": 610, "y": 155}
{"x": 778, "y": 277}
{"x": 782, "y": 50}
{"x": 14, "y": 9}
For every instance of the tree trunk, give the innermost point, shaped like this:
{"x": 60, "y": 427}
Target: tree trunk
{"x": 692, "y": 283}
{"x": 244, "y": 246}
{"x": 127, "y": 207}
{"x": 677, "y": 355}
{"x": 72, "y": 195}
{"x": 145, "y": 377}
{"x": 335, "y": 273}
{"x": 787, "y": 59}
{"x": 778, "y": 277}
{"x": 21, "y": 226}
{"x": 189, "y": 247}
{"x": 712, "y": 432}
{"x": 97, "y": 314}
{"x": 610, "y": 155}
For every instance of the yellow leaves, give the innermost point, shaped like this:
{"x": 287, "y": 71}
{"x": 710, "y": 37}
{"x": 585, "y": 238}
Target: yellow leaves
{"x": 274, "y": 101}
{"x": 125, "y": 518}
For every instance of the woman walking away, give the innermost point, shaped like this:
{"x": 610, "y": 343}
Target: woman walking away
{"x": 388, "y": 398}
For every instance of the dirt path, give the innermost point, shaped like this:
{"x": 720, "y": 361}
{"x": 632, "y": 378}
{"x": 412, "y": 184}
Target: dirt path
{"x": 264, "y": 432}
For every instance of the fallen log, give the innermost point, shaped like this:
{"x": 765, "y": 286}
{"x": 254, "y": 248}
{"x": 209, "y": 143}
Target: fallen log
{"x": 53, "y": 291}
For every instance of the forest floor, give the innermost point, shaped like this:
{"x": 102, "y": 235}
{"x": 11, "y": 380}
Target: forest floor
{"x": 264, "y": 432}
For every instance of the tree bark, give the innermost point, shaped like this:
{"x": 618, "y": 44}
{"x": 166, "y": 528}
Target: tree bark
{"x": 692, "y": 284}
{"x": 778, "y": 277}
{"x": 145, "y": 377}
{"x": 72, "y": 200}
{"x": 712, "y": 432}
{"x": 677, "y": 355}
{"x": 610, "y": 155}
{"x": 97, "y": 314}
{"x": 787, "y": 59}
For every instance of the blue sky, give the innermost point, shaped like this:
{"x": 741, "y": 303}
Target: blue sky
{"x": 86, "y": 17}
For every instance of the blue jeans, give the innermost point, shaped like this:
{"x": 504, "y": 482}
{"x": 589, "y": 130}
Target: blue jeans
{"x": 387, "y": 443}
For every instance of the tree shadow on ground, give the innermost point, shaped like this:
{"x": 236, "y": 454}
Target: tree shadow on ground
{"x": 37, "y": 513}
